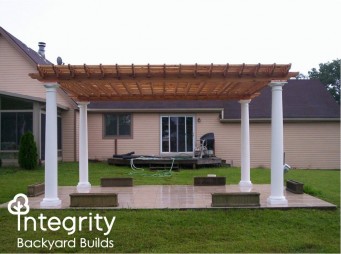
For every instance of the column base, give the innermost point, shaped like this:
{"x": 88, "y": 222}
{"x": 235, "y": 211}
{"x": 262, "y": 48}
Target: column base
{"x": 50, "y": 203}
{"x": 83, "y": 187}
{"x": 245, "y": 188}
{"x": 281, "y": 200}
{"x": 245, "y": 183}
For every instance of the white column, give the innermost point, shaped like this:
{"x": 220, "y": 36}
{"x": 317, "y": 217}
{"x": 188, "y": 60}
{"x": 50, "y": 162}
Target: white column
{"x": 245, "y": 144}
{"x": 51, "y": 153}
{"x": 277, "y": 178}
{"x": 83, "y": 185}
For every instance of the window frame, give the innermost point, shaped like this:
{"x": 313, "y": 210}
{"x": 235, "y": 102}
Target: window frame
{"x": 117, "y": 114}
{"x": 193, "y": 133}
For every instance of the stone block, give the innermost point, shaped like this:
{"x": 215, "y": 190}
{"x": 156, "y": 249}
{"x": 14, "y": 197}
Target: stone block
{"x": 236, "y": 199}
{"x": 93, "y": 200}
{"x": 36, "y": 189}
{"x": 117, "y": 182}
{"x": 294, "y": 187}
{"x": 209, "y": 181}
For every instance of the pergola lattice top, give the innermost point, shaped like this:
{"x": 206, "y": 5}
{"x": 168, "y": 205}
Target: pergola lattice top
{"x": 162, "y": 82}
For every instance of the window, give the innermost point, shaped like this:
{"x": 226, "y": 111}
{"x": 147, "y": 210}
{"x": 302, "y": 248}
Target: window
{"x": 117, "y": 125}
{"x": 177, "y": 134}
{"x": 16, "y": 116}
{"x": 13, "y": 126}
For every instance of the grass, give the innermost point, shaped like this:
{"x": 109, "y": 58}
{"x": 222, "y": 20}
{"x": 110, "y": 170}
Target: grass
{"x": 245, "y": 230}
{"x": 198, "y": 231}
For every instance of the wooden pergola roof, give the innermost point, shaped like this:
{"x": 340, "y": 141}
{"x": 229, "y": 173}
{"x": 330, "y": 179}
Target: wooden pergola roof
{"x": 163, "y": 82}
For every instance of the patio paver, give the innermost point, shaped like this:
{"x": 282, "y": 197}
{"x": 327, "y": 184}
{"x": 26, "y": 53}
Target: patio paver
{"x": 181, "y": 197}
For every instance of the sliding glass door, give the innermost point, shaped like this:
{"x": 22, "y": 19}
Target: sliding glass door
{"x": 177, "y": 134}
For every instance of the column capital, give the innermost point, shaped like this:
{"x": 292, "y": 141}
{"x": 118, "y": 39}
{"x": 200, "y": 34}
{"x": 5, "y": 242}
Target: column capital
{"x": 51, "y": 85}
{"x": 277, "y": 83}
{"x": 244, "y": 101}
{"x": 83, "y": 103}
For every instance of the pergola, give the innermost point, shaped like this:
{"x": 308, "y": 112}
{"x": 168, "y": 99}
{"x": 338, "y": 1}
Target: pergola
{"x": 86, "y": 83}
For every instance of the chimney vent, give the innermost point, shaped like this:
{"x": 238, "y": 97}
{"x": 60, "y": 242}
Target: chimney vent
{"x": 41, "y": 50}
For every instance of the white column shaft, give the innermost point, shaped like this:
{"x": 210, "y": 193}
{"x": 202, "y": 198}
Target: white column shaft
{"x": 277, "y": 177}
{"x": 83, "y": 185}
{"x": 245, "y": 144}
{"x": 51, "y": 152}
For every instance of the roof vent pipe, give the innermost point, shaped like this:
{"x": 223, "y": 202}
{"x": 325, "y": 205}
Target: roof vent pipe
{"x": 41, "y": 50}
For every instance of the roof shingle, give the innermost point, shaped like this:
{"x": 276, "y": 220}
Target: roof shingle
{"x": 30, "y": 53}
{"x": 305, "y": 99}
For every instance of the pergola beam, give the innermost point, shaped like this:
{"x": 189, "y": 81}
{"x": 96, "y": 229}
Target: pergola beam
{"x": 110, "y": 77}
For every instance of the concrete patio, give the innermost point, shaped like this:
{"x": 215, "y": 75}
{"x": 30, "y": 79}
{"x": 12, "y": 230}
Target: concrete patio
{"x": 181, "y": 197}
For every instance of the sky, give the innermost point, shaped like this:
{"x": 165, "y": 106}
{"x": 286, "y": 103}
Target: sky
{"x": 301, "y": 32}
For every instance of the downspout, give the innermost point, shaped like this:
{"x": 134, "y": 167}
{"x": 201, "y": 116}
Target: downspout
{"x": 115, "y": 146}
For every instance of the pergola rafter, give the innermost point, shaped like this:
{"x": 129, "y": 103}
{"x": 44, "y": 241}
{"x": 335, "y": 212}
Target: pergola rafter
{"x": 163, "y": 82}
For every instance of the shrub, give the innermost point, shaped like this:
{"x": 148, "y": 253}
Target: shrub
{"x": 28, "y": 156}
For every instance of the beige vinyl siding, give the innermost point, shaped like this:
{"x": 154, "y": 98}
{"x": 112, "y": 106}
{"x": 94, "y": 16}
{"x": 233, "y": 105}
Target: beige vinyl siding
{"x": 99, "y": 148}
{"x": 14, "y": 70}
{"x": 145, "y": 137}
{"x": 227, "y": 137}
{"x": 306, "y": 145}
{"x": 227, "y": 140}
{"x": 260, "y": 144}
{"x": 312, "y": 145}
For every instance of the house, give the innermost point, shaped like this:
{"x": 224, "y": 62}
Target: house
{"x": 169, "y": 127}
{"x": 311, "y": 127}
{"x": 22, "y": 102}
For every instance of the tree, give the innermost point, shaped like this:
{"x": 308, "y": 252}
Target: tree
{"x": 301, "y": 76}
{"x": 329, "y": 75}
{"x": 28, "y": 156}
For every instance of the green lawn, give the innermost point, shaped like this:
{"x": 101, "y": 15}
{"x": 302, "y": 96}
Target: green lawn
{"x": 245, "y": 230}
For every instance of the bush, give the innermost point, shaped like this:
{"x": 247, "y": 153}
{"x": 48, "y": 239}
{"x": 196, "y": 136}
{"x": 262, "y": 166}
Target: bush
{"x": 28, "y": 156}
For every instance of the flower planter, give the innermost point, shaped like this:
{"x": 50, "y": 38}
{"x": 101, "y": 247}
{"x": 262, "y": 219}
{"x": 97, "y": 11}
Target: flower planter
{"x": 93, "y": 200}
{"x": 209, "y": 180}
{"x": 34, "y": 190}
{"x": 294, "y": 187}
{"x": 235, "y": 199}
{"x": 117, "y": 182}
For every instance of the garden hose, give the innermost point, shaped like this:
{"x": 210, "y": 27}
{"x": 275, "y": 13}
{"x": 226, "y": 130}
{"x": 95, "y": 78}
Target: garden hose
{"x": 140, "y": 171}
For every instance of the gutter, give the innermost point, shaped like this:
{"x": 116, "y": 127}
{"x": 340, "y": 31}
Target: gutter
{"x": 285, "y": 120}
{"x": 208, "y": 110}
{"x": 212, "y": 110}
